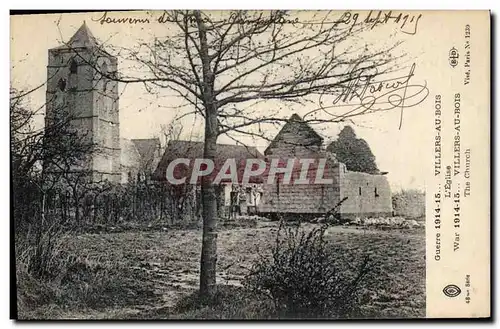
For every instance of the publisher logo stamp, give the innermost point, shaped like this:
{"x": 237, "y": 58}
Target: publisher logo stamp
{"x": 453, "y": 57}
{"x": 452, "y": 290}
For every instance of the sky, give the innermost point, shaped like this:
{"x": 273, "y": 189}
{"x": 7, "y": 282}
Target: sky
{"x": 399, "y": 151}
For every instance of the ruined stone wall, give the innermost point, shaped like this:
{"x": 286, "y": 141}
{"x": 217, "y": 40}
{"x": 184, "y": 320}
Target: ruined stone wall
{"x": 299, "y": 199}
{"x": 367, "y": 195}
{"x": 409, "y": 204}
{"x": 308, "y": 198}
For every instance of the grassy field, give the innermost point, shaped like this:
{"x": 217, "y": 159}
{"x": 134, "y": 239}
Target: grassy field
{"x": 143, "y": 275}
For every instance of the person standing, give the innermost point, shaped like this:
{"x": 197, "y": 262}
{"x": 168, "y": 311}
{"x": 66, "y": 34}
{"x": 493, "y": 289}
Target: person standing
{"x": 234, "y": 203}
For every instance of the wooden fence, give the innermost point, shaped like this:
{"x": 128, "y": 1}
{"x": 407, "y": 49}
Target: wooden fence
{"x": 141, "y": 202}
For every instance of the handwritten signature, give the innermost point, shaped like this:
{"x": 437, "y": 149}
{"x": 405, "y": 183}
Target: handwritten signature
{"x": 382, "y": 95}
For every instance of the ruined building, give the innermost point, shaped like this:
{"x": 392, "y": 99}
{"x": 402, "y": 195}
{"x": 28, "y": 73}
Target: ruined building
{"x": 356, "y": 194}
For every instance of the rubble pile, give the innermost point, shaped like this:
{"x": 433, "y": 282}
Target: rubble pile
{"x": 394, "y": 222}
{"x": 385, "y": 221}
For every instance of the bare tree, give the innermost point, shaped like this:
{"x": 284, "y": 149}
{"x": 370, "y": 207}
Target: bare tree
{"x": 178, "y": 194}
{"x": 172, "y": 131}
{"x": 225, "y": 67}
{"x": 45, "y": 158}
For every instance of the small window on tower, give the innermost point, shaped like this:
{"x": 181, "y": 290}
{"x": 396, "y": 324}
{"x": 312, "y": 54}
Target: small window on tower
{"x": 359, "y": 190}
{"x": 73, "y": 67}
{"x": 58, "y": 58}
{"x": 107, "y": 86}
{"x": 61, "y": 84}
{"x": 104, "y": 75}
{"x": 376, "y": 193}
{"x": 104, "y": 68}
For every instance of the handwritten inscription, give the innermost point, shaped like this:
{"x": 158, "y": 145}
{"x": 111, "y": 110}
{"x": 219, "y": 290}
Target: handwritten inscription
{"x": 165, "y": 18}
{"x": 106, "y": 19}
{"x": 369, "y": 94}
{"x": 234, "y": 18}
{"x": 407, "y": 23}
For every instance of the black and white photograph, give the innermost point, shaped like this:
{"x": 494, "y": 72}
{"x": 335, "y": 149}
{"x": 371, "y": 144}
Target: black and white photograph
{"x": 250, "y": 165}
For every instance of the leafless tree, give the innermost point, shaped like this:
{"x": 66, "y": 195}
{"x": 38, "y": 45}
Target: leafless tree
{"x": 229, "y": 68}
{"x": 172, "y": 131}
{"x": 43, "y": 158}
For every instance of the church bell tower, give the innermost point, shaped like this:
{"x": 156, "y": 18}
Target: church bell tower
{"x": 80, "y": 88}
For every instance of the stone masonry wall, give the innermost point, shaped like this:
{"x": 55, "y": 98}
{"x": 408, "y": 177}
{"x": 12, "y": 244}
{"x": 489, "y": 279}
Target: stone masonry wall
{"x": 367, "y": 195}
{"x": 92, "y": 103}
{"x": 409, "y": 204}
{"x": 305, "y": 198}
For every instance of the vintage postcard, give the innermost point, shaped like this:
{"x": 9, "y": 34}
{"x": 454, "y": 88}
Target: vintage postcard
{"x": 251, "y": 164}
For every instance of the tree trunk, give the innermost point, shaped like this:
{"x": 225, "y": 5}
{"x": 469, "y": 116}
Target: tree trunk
{"x": 76, "y": 199}
{"x": 42, "y": 212}
{"x": 208, "y": 263}
{"x": 209, "y": 214}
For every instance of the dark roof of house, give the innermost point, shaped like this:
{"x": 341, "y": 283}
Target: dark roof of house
{"x": 129, "y": 155}
{"x": 147, "y": 148}
{"x": 194, "y": 150}
{"x": 139, "y": 154}
{"x": 295, "y": 124}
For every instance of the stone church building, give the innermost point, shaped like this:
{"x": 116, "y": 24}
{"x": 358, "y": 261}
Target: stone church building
{"x": 78, "y": 87}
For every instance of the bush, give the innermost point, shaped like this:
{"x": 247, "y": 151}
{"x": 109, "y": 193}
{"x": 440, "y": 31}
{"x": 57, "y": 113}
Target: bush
{"x": 304, "y": 280}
